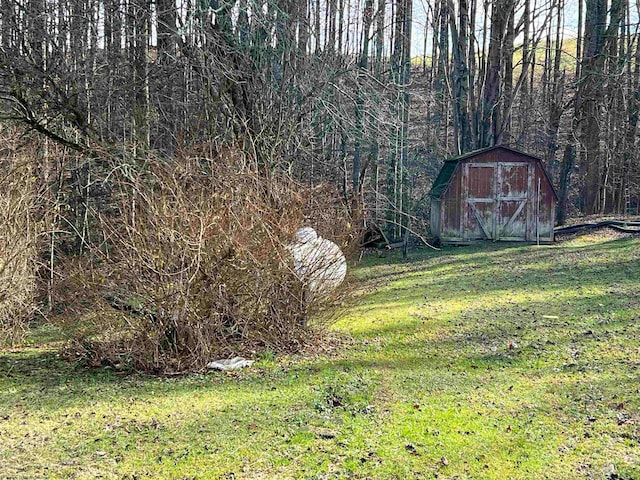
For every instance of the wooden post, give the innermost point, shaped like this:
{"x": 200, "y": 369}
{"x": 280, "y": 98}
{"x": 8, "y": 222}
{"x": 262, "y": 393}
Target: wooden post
{"x": 464, "y": 201}
{"x": 405, "y": 243}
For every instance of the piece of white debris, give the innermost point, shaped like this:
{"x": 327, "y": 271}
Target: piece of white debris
{"x": 318, "y": 262}
{"x": 229, "y": 364}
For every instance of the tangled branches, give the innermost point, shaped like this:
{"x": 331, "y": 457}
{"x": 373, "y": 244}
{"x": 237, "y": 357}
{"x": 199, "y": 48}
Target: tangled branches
{"x": 195, "y": 264}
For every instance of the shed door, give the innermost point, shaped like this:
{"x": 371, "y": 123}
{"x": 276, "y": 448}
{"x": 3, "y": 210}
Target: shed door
{"x": 481, "y": 201}
{"x": 512, "y": 201}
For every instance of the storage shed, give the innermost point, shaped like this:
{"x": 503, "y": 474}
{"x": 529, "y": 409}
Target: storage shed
{"x": 496, "y": 193}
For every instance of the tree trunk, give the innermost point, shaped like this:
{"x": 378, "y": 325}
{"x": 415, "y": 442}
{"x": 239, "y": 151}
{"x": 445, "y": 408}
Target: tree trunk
{"x": 462, "y": 85}
{"x": 491, "y": 122}
{"x": 503, "y": 134}
{"x": 566, "y": 167}
{"x": 589, "y": 94}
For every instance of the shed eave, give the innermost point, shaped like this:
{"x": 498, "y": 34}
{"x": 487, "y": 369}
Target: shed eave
{"x": 441, "y": 184}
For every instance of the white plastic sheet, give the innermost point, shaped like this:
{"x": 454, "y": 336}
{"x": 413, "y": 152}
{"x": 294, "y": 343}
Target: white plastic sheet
{"x": 318, "y": 262}
{"x": 229, "y": 364}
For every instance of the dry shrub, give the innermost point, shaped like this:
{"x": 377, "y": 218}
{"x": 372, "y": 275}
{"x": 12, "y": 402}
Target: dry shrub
{"x": 195, "y": 267}
{"x": 19, "y": 236}
{"x": 326, "y": 210}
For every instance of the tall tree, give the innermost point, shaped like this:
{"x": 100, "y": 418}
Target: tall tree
{"x": 589, "y": 98}
{"x": 461, "y": 78}
{"x": 492, "y": 114}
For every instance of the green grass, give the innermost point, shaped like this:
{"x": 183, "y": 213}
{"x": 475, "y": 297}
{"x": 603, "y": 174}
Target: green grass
{"x": 485, "y": 362}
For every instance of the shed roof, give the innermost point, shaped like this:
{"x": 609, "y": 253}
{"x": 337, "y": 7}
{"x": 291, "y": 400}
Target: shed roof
{"x": 444, "y": 177}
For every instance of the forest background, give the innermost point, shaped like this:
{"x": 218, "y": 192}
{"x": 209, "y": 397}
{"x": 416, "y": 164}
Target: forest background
{"x": 370, "y": 95}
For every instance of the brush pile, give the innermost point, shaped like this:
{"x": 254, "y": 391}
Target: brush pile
{"x": 196, "y": 265}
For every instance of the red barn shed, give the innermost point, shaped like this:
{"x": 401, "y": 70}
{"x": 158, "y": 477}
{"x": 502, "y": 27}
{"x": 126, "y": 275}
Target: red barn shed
{"x": 496, "y": 193}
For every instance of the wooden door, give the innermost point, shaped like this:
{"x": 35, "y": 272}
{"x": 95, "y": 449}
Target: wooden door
{"x": 512, "y": 200}
{"x": 479, "y": 218}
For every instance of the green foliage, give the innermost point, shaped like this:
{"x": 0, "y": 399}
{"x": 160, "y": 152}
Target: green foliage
{"x": 484, "y": 362}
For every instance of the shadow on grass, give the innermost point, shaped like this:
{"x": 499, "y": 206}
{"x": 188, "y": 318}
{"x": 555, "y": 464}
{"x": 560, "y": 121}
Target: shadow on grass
{"x": 452, "y": 278}
{"x": 41, "y": 377}
{"x": 39, "y": 381}
{"x": 483, "y": 255}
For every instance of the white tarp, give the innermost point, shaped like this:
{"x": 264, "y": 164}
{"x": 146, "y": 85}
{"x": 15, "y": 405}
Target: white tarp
{"x": 318, "y": 262}
{"x": 226, "y": 364}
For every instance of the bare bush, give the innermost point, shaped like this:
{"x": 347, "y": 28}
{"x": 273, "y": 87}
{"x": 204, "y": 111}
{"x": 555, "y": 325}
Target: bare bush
{"x": 195, "y": 266}
{"x": 19, "y": 229}
{"x": 329, "y": 213}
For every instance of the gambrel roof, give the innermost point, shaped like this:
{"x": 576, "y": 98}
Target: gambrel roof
{"x": 446, "y": 172}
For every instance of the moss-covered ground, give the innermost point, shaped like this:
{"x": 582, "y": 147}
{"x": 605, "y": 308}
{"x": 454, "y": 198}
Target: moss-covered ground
{"x": 484, "y": 362}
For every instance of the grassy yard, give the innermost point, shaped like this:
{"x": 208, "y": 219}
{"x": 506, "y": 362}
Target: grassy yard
{"x": 487, "y": 362}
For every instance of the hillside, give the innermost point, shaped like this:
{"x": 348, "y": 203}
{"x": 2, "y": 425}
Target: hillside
{"x": 484, "y": 362}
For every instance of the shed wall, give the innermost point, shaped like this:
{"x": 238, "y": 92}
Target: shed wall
{"x": 547, "y": 209}
{"x": 450, "y": 209}
{"x": 494, "y": 196}
{"x": 435, "y": 217}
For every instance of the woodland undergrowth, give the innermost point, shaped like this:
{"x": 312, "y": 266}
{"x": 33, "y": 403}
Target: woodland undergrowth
{"x": 181, "y": 260}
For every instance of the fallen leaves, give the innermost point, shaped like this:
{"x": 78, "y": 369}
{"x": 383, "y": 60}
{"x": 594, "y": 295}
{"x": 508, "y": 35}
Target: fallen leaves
{"x": 324, "y": 433}
{"x": 411, "y": 448}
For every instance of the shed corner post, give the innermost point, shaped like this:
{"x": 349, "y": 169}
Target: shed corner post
{"x": 530, "y": 234}
{"x": 464, "y": 200}
{"x": 497, "y": 195}
{"x": 538, "y": 213}
{"x": 553, "y": 219}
